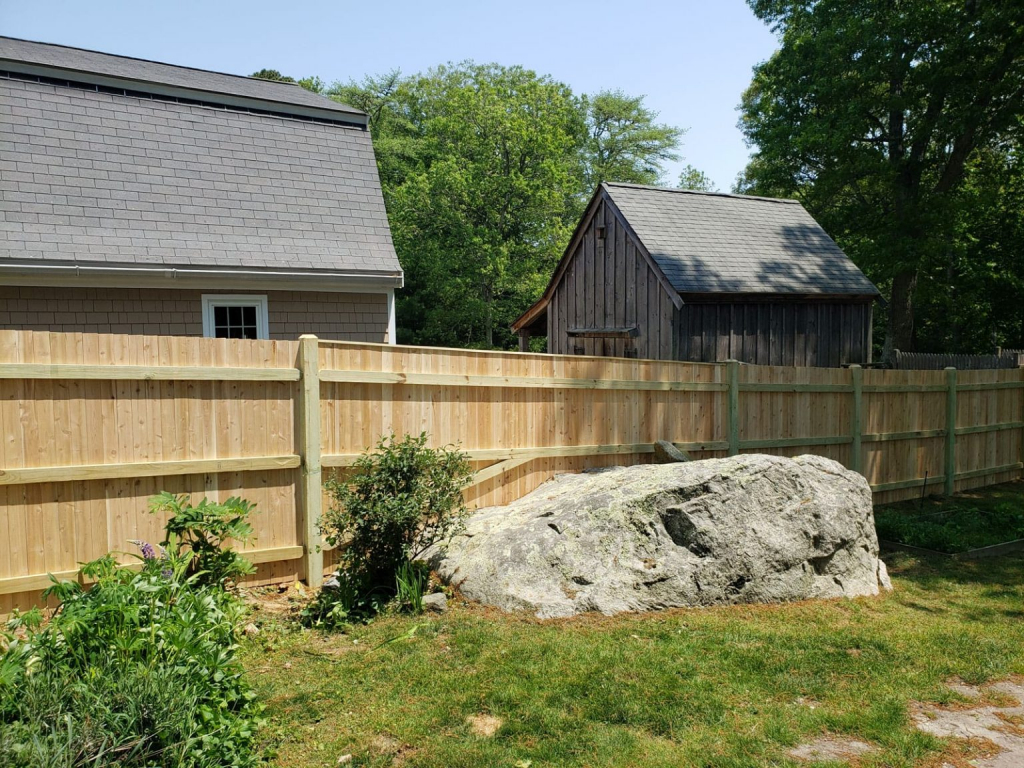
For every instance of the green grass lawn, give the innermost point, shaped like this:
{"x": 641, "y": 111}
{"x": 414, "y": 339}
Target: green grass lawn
{"x": 731, "y": 686}
{"x": 975, "y": 519}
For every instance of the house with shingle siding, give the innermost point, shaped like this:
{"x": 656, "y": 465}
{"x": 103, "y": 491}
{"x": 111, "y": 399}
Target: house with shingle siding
{"x": 672, "y": 274}
{"x": 140, "y": 197}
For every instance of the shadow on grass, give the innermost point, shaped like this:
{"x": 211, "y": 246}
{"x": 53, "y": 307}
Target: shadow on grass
{"x": 996, "y": 584}
{"x": 930, "y": 570}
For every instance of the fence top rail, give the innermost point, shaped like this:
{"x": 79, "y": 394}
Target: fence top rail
{"x": 116, "y": 371}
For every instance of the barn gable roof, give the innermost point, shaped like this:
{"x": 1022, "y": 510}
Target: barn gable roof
{"x": 134, "y": 165}
{"x": 720, "y": 243}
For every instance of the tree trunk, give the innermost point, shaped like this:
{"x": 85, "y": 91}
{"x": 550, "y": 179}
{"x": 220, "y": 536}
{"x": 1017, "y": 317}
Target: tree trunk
{"x": 900, "y": 333}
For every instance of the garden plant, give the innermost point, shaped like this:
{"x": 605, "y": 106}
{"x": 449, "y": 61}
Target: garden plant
{"x": 403, "y": 498}
{"x": 140, "y": 669}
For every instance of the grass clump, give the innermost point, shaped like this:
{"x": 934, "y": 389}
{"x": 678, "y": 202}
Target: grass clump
{"x": 403, "y": 499}
{"x": 139, "y": 670}
{"x": 969, "y": 521}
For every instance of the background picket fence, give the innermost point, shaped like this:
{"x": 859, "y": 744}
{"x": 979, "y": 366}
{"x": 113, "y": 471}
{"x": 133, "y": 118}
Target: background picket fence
{"x": 937, "y": 361}
{"x": 91, "y": 426}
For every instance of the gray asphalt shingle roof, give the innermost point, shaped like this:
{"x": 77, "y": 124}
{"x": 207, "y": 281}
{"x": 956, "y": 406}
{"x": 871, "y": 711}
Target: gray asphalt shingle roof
{"x": 143, "y": 73}
{"x": 93, "y": 177}
{"x": 717, "y": 243}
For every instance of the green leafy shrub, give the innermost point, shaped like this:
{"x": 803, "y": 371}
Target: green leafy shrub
{"x": 403, "y": 499}
{"x": 137, "y": 671}
{"x": 206, "y": 528}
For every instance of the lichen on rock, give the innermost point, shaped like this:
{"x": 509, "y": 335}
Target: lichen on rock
{"x": 747, "y": 529}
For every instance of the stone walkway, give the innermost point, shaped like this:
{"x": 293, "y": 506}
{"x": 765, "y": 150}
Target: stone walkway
{"x": 1002, "y": 726}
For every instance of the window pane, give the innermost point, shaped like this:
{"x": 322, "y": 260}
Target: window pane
{"x": 235, "y": 321}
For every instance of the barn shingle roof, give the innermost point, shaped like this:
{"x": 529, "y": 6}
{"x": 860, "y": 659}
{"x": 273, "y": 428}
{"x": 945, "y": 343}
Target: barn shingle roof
{"x": 145, "y": 75}
{"x": 95, "y": 176}
{"x": 719, "y": 243}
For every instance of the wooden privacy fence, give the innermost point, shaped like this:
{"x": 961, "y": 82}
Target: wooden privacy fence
{"x": 91, "y": 426}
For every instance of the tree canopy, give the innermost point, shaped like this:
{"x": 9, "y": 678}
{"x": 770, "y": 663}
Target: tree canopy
{"x": 485, "y": 171}
{"x": 898, "y": 124}
{"x": 624, "y": 143}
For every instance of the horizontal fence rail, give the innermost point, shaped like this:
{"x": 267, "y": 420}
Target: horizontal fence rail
{"x": 91, "y": 426}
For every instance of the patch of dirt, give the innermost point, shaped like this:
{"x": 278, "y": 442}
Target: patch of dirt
{"x": 484, "y": 725}
{"x": 387, "y": 746}
{"x": 275, "y": 600}
{"x": 829, "y": 747}
{"x": 994, "y": 724}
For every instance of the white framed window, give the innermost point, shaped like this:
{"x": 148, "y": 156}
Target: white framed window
{"x": 235, "y": 316}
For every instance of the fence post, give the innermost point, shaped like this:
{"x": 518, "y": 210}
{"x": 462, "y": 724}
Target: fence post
{"x": 857, "y": 417}
{"x": 732, "y": 367}
{"x": 308, "y": 429}
{"x": 950, "y": 431}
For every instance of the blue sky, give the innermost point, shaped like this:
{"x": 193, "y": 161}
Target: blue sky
{"x": 691, "y": 58}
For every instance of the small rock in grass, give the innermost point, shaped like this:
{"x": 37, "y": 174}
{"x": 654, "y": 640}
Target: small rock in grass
{"x": 332, "y": 583}
{"x": 251, "y": 630}
{"x": 344, "y": 759}
{"x": 883, "y": 576}
{"x": 667, "y": 453}
{"x": 436, "y": 603}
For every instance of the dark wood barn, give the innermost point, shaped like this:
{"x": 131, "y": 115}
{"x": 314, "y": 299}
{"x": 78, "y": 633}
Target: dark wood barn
{"x": 672, "y": 274}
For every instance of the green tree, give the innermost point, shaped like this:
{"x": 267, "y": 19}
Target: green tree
{"x": 624, "y": 141}
{"x": 311, "y": 83}
{"x": 272, "y": 74}
{"x": 969, "y": 297}
{"x": 491, "y": 188}
{"x": 697, "y": 180}
{"x": 485, "y": 171}
{"x": 871, "y": 112}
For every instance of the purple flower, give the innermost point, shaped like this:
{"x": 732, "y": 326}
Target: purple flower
{"x": 148, "y": 553}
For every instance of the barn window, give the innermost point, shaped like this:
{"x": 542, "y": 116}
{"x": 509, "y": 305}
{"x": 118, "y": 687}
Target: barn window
{"x": 235, "y": 316}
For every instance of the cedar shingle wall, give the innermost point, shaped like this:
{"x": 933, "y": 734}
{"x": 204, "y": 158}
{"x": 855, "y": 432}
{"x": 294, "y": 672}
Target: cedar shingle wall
{"x": 339, "y": 316}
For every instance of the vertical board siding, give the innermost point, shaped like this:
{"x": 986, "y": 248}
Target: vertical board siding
{"x": 800, "y": 334}
{"x": 611, "y": 285}
{"x": 52, "y": 526}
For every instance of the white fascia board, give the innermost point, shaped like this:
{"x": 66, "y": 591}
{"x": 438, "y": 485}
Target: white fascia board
{"x": 392, "y": 322}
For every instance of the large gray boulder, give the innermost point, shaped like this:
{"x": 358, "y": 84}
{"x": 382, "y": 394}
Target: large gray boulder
{"x": 747, "y": 529}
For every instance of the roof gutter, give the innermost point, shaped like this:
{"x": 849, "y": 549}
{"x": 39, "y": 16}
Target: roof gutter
{"x": 79, "y": 275}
